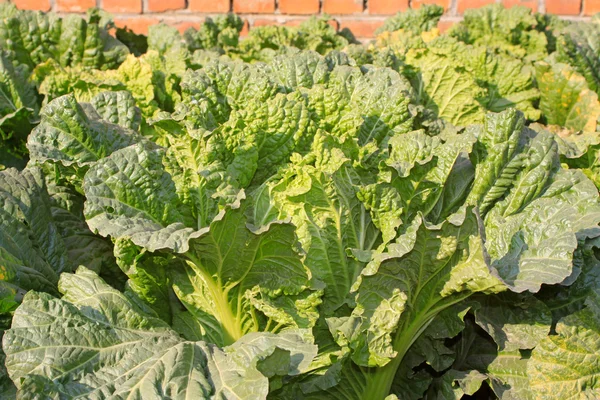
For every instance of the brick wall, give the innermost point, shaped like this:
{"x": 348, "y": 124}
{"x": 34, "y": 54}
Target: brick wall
{"x": 361, "y": 16}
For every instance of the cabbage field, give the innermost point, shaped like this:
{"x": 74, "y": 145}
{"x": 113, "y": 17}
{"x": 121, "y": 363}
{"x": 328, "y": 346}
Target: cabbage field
{"x": 297, "y": 215}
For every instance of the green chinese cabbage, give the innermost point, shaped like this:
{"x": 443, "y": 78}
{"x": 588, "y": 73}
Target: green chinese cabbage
{"x": 32, "y": 37}
{"x": 240, "y": 219}
{"x": 115, "y": 347}
{"x": 514, "y": 228}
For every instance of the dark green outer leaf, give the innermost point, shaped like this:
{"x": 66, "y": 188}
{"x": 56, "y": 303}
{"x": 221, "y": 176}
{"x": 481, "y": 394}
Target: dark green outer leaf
{"x": 97, "y": 344}
{"x": 71, "y": 135}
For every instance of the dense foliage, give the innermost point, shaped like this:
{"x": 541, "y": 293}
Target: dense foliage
{"x": 296, "y": 215}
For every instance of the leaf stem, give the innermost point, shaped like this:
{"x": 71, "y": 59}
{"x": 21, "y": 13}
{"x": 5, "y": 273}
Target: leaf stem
{"x": 232, "y": 330}
{"x": 380, "y": 384}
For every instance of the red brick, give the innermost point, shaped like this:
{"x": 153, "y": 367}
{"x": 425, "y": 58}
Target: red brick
{"x": 42, "y": 5}
{"x": 245, "y": 28}
{"x": 263, "y": 22}
{"x": 277, "y": 21}
{"x": 563, "y": 7}
{"x": 209, "y": 6}
{"x": 164, "y": 5}
{"x": 298, "y": 21}
{"x": 342, "y": 6}
{"x": 533, "y": 4}
{"x": 287, "y": 22}
{"x": 185, "y": 25}
{"x": 293, "y": 22}
{"x": 464, "y": 5}
{"x": 591, "y": 7}
{"x": 418, "y": 3}
{"x": 254, "y": 6}
{"x": 122, "y": 6}
{"x": 299, "y": 6}
{"x": 444, "y": 25}
{"x": 334, "y": 23}
{"x": 361, "y": 28}
{"x": 74, "y": 5}
{"x": 387, "y": 7}
{"x": 137, "y": 24}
